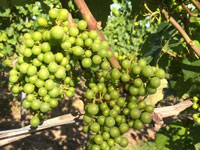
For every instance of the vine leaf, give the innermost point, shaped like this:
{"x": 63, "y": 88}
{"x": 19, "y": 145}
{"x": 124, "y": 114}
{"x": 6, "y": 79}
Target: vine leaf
{"x": 152, "y": 45}
{"x": 10, "y": 31}
{"x": 4, "y": 12}
{"x": 197, "y": 44}
{"x": 191, "y": 69}
{"x": 195, "y": 20}
{"x": 161, "y": 141}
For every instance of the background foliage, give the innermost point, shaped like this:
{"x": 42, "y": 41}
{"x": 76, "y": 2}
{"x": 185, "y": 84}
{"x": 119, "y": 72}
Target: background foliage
{"x": 16, "y": 18}
{"x": 178, "y": 135}
{"x": 131, "y": 30}
{"x": 124, "y": 31}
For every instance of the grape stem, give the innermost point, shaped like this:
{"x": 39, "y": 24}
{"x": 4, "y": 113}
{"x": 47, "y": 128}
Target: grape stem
{"x": 70, "y": 20}
{"x": 100, "y": 95}
{"x": 181, "y": 31}
{"x": 94, "y": 100}
{"x": 167, "y": 52}
{"x": 99, "y": 100}
{"x": 94, "y": 25}
{"x": 189, "y": 12}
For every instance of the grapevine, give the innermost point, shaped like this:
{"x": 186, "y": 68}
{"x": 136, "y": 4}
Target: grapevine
{"x": 46, "y": 69}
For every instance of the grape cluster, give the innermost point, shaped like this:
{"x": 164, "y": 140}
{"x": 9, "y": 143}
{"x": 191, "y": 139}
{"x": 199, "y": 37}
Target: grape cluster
{"x": 196, "y": 106}
{"x": 47, "y": 59}
{"x": 118, "y": 103}
{"x": 46, "y": 70}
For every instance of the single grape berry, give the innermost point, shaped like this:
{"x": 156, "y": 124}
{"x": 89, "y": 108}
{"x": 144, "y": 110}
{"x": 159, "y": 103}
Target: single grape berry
{"x": 35, "y": 121}
{"x": 57, "y": 32}
{"x": 89, "y": 94}
{"x": 92, "y": 109}
{"x": 82, "y": 25}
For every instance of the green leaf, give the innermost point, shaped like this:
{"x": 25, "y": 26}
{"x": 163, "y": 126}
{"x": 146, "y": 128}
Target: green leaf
{"x": 195, "y": 20}
{"x": 12, "y": 41}
{"x": 175, "y": 42}
{"x": 1, "y": 46}
{"x": 162, "y": 26}
{"x": 5, "y": 12}
{"x": 148, "y": 59}
{"x": 3, "y": 36}
{"x": 191, "y": 69}
{"x": 22, "y": 10}
{"x": 197, "y": 44}
{"x": 179, "y": 135}
{"x": 35, "y": 11}
{"x": 4, "y": 8}
{"x": 180, "y": 86}
{"x": 164, "y": 61}
{"x": 162, "y": 141}
{"x": 71, "y": 5}
{"x": 19, "y": 27}
{"x": 152, "y": 43}
{"x": 8, "y": 49}
{"x": 10, "y": 31}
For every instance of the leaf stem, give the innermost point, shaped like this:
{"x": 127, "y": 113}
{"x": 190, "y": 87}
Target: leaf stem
{"x": 181, "y": 31}
{"x": 189, "y": 12}
{"x": 173, "y": 55}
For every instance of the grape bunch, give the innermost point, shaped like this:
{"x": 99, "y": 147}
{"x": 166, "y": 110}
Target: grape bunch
{"x": 196, "y": 107}
{"x": 47, "y": 61}
{"x": 52, "y": 57}
{"x": 117, "y": 102}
